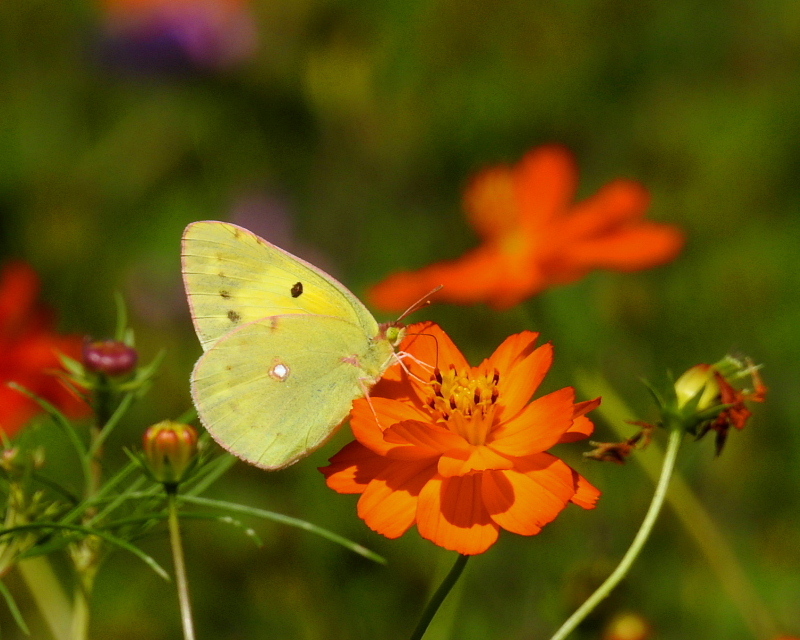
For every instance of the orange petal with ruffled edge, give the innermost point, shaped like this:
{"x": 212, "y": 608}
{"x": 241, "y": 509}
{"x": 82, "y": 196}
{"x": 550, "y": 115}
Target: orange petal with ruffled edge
{"x": 353, "y": 468}
{"x": 389, "y": 503}
{"x": 518, "y": 503}
{"x": 587, "y": 494}
{"x": 537, "y": 427}
{"x": 451, "y": 514}
{"x": 581, "y": 427}
{"x": 559, "y": 478}
{"x": 521, "y": 367}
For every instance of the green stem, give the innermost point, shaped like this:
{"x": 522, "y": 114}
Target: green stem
{"x": 48, "y": 595}
{"x": 675, "y": 437}
{"x": 80, "y": 607}
{"x": 439, "y": 596}
{"x": 180, "y": 566}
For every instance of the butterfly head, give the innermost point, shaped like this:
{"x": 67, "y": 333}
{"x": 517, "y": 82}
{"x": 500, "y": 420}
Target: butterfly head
{"x": 392, "y": 332}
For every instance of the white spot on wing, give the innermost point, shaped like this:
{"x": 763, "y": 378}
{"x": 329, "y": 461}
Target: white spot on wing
{"x": 279, "y": 370}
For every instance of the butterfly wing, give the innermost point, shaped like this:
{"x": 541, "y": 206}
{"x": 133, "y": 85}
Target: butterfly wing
{"x": 233, "y": 277}
{"x": 272, "y": 391}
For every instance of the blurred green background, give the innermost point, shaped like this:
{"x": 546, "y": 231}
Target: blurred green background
{"x": 345, "y": 132}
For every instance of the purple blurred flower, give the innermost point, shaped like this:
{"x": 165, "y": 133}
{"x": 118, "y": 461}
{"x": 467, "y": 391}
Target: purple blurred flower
{"x": 177, "y": 35}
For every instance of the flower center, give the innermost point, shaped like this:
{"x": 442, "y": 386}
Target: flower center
{"x": 464, "y": 404}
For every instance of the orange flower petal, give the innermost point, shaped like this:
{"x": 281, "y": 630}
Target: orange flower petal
{"x": 451, "y": 514}
{"x": 518, "y": 503}
{"x": 466, "y": 280}
{"x": 586, "y": 496}
{"x": 537, "y": 427}
{"x": 387, "y": 412}
{"x": 545, "y": 183}
{"x": 581, "y": 428}
{"x": 434, "y": 347}
{"x": 353, "y": 468}
{"x": 460, "y": 461}
{"x": 522, "y": 369}
{"x": 415, "y": 440}
{"x": 490, "y": 202}
{"x": 640, "y": 246}
{"x": 617, "y": 203}
{"x": 582, "y": 408}
{"x": 389, "y": 504}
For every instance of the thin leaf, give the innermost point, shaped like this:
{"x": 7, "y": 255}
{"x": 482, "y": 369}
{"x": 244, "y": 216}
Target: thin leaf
{"x": 123, "y": 544}
{"x": 72, "y": 366}
{"x": 112, "y": 422}
{"x": 100, "y": 496}
{"x": 283, "y": 519}
{"x": 62, "y": 421}
{"x": 210, "y": 473}
{"x": 12, "y": 607}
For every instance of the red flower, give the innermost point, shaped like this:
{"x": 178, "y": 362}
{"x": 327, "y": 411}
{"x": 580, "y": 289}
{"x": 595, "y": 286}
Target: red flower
{"x": 458, "y": 450}
{"x": 535, "y": 237}
{"x": 29, "y": 351}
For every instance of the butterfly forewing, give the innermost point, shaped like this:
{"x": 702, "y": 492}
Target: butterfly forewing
{"x": 272, "y": 391}
{"x": 233, "y": 277}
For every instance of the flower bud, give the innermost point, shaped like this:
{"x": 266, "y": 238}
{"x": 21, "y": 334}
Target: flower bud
{"x": 707, "y": 400}
{"x": 627, "y": 626}
{"x": 700, "y": 379}
{"x": 110, "y": 357}
{"x": 170, "y": 449}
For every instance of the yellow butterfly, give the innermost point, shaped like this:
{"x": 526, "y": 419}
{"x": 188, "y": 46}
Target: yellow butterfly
{"x": 286, "y": 347}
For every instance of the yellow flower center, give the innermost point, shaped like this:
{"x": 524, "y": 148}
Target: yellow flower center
{"x": 464, "y": 404}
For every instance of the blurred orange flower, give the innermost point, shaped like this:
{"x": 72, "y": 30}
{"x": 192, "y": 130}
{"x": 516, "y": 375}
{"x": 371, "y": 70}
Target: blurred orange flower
{"x": 28, "y": 351}
{"x": 535, "y": 237}
{"x": 458, "y": 450}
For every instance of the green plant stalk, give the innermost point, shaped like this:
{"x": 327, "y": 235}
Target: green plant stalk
{"x": 180, "y": 565}
{"x": 48, "y": 595}
{"x": 675, "y": 437}
{"x": 693, "y": 516}
{"x": 438, "y": 598}
{"x": 80, "y": 605}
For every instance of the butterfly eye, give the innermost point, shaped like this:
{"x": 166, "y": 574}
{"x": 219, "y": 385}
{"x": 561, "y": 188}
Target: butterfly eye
{"x": 297, "y": 289}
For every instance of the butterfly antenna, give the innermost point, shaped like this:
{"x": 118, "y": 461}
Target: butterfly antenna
{"x": 424, "y": 301}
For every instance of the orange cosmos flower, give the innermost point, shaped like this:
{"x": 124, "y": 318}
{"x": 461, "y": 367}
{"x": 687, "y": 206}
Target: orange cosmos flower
{"x": 535, "y": 237}
{"x": 458, "y": 450}
{"x": 29, "y": 351}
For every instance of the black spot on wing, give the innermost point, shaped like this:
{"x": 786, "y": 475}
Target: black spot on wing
{"x": 225, "y": 294}
{"x": 233, "y": 316}
{"x": 297, "y": 289}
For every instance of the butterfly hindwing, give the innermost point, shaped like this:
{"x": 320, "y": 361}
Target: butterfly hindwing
{"x": 276, "y": 389}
